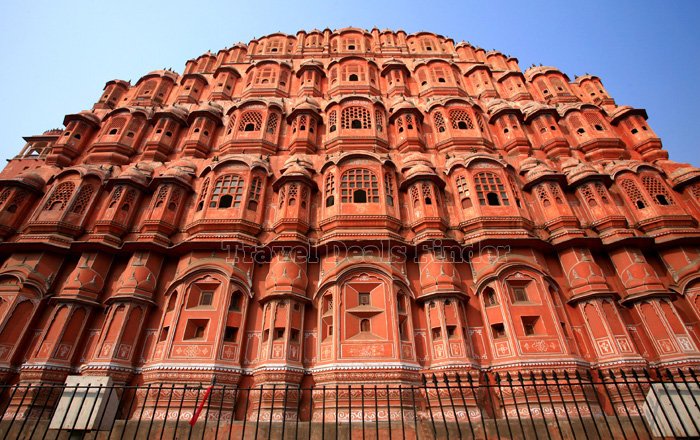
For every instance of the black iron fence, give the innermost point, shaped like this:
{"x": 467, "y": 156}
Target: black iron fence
{"x": 545, "y": 404}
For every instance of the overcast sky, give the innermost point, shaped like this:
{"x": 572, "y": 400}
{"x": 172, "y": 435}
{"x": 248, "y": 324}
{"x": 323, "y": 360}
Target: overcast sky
{"x": 57, "y": 55}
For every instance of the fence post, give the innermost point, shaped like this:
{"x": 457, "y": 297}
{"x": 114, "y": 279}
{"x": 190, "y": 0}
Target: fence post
{"x": 493, "y": 407}
{"x": 452, "y": 403}
{"x": 430, "y": 408}
{"x": 509, "y": 379}
{"x": 501, "y": 402}
{"x": 551, "y": 401}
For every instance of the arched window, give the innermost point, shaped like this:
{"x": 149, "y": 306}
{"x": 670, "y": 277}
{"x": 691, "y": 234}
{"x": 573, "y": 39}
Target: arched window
{"x": 490, "y": 298}
{"x": 379, "y": 120}
{"x": 235, "y": 303}
{"x": 480, "y": 122}
{"x": 422, "y": 78}
{"x": 304, "y": 196}
{"x": 461, "y": 120}
{"x": 587, "y": 195}
{"x": 409, "y": 123}
{"x": 351, "y": 43}
{"x": 161, "y": 196}
{"x": 228, "y": 192}
{"x": 116, "y": 194}
{"x": 353, "y": 77}
{"x": 273, "y": 46}
{"x": 542, "y": 194}
{"x": 147, "y": 88}
{"x": 203, "y": 194}
{"x": 292, "y": 200}
{"x": 439, "y": 122}
{"x": 463, "y": 190}
{"x": 657, "y": 190}
{"x": 332, "y": 121}
{"x": 281, "y": 197}
{"x": 250, "y": 121}
{"x": 311, "y": 40}
{"x": 59, "y": 198}
{"x": 174, "y": 199}
{"x": 128, "y": 200}
{"x": 633, "y": 193}
{"x": 555, "y": 192}
{"x": 265, "y": 76}
{"x": 355, "y": 117}
{"x": 427, "y": 193}
{"x": 82, "y": 199}
{"x": 171, "y": 302}
{"x": 415, "y": 196}
{"x": 389, "y": 189}
{"x": 231, "y": 124}
{"x": 359, "y": 185}
{"x": 515, "y": 190}
{"x": 272, "y": 123}
{"x": 254, "y": 194}
{"x": 438, "y": 75}
{"x": 556, "y": 82}
{"x": 19, "y": 197}
{"x": 330, "y": 190}
{"x": 401, "y": 301}
{"x": 364, "y": 325}
{"x": 490, "y": 190}
{"x": 594, "y": 120}
{"x": 115, "y": 126}
{"x": 602, "y": 193}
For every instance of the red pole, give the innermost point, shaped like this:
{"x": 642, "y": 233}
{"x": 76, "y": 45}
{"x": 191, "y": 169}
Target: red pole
{"x": 198, "y": 411}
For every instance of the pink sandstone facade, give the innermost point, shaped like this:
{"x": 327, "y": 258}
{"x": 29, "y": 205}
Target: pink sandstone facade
{"x": 347, "y": 206}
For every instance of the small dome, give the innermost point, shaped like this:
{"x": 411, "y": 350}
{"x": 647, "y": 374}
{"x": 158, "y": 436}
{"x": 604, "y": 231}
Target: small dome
{"x": 533, "y": 167}
{"x": 420, "y": 170}
{"x": 182, "y": 169}
{"x": 575, "y": 170}
{"x": 307, "y": 103}
{"x": 532, "y": 72}
{"x": 296, "y": 167}
{"x": 32, "y": 179}
{"x": 86, "y": 116}
{"x": 412, "y": 159}
{"x": 287, "y": 274}
{"x": 403, "y": 104}
{"x": 138, "y": 278}
{"x": 311, "y": 63}
{"x": 437, "y": 273}
{"x": 298, "y": 161}
{"x": 84, "y": 277}
{"x": 532, "y": 108}
{"x": 140, "y": 173}
{"x": 160, "y": 73}
{"x": 173, "y": 111}
{"x": 211, "y": 110}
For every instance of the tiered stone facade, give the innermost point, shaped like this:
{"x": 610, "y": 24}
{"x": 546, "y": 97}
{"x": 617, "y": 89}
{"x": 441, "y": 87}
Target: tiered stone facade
{"x": 347, "y": 206}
